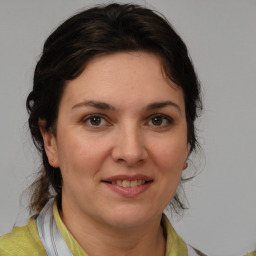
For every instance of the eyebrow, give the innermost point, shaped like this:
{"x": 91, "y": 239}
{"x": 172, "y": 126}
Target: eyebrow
{"x": 157, "y": 105}
{"x": 106, "y": 106}
{"x": 94, "y": 104}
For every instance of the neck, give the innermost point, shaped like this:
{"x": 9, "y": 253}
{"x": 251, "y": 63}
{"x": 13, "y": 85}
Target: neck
{"x": 99, "y": 239}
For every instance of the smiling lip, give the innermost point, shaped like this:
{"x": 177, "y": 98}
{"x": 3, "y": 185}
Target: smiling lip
{"x": 128, "y": 185}
{"x": 128, "y": 177}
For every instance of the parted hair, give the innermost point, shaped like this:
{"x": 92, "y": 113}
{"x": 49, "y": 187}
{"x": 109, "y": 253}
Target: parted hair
{"x": 102, "y": 30}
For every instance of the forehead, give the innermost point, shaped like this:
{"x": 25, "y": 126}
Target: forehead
{"x": 123, "y": 78}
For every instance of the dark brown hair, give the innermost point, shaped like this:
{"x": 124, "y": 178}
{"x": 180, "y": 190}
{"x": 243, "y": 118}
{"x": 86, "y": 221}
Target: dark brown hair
{"x": 98, "y": 31}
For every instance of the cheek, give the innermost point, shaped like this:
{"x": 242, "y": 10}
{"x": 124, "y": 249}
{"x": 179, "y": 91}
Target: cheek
{"x": 171, "y": 154}
{"x": 80, "y": 156}
{"x": 78, "y": 167}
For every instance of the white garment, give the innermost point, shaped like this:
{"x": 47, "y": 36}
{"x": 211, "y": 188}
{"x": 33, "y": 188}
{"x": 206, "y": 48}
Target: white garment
{"x": 51, "y": 238}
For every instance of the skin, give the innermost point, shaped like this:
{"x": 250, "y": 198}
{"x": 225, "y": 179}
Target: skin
{"x": 128, "y": 135}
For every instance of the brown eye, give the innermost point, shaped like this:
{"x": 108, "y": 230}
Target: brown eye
{"x": 157, "y": 120}
{"x": 95, "y": 121}
{"x": 160, "y": 121}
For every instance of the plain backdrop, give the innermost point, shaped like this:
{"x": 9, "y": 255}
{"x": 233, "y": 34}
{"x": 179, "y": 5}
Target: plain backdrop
{"x": 221, "y": 37}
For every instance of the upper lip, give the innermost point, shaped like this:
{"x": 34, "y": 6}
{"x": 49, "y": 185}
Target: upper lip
{"x": 128, "y": 177}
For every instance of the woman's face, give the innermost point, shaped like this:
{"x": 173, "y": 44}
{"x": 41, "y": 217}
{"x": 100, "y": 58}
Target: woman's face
{"x": 121, "y": 140}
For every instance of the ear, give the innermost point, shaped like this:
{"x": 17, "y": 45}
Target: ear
{"x": 50, "y": 144}
{"x": 185, "y": 165}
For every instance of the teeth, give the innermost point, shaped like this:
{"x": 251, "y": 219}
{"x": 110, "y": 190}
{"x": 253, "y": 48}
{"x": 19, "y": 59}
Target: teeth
{"x": 119, "y": 182}
{"x": 128, "y": 184}
{"x": 134, "y": 183}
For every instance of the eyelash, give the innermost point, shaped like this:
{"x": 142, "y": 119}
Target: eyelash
{"x": 101, "y": 118}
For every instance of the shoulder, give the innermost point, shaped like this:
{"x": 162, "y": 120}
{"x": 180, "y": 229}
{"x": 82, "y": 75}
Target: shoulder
{"x": 23, "y": 240}
{"x": 175, "y": 244}
{"x": 251, "y": 253}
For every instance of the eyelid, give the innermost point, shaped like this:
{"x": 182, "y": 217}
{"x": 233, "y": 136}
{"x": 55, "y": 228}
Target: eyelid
{"x": 161, "y": 115}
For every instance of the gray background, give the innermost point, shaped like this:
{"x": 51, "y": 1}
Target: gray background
{"x": 221, "y": 37}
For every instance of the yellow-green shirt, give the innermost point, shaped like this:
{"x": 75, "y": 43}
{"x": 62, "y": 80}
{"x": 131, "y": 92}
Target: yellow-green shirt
{"x": 25, "y": 240}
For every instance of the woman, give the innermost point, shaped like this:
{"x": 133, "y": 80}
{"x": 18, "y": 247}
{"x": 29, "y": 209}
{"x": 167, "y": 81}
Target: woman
{"x": 112, "y": 112}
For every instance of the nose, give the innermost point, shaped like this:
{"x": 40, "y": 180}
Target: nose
{"x": 129, "y": 147}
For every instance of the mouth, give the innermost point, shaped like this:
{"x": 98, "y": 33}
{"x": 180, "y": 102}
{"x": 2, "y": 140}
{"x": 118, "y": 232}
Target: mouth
{"x": 129, "y": 183}
{"x": 129, "y": 186}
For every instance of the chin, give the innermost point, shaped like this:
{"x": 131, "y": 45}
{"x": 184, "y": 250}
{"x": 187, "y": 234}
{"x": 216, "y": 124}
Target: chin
{"x": 130, "y": 218}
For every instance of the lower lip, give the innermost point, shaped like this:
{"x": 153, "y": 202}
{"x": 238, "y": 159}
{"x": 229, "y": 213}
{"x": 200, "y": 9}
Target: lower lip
{"x": 129, "y": 191}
